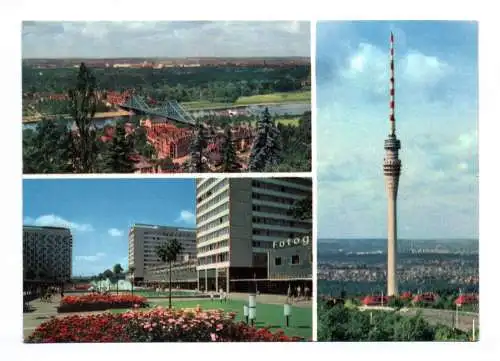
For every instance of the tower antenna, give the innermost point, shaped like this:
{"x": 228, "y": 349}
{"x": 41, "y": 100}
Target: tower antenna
{"x": 392, "y": 90}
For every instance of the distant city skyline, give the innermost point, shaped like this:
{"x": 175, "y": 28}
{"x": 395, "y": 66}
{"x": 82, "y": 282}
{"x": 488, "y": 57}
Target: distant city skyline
{"x": 167, "y": 39}
{"x": 436, "y": 113}
{"x": 100, "y": 212}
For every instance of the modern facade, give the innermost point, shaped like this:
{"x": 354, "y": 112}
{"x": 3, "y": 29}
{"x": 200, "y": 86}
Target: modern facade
{"x": 47, "y": 253}
{"x": 392, "y": 170}
{"x": 238, "y": 222}
{"x": 144, "y": 238}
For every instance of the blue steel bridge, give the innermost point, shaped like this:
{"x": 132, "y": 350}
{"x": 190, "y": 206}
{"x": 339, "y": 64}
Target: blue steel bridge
{"x": 170, "y": 110}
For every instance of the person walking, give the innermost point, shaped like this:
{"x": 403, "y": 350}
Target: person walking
{"x": 298, "y": 293}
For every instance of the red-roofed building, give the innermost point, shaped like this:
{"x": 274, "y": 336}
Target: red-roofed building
{"x": 469, "y": 299}
{"x": 375, "y": 300}
{"x": 406, "y": 296}
{"x": 428, "y": 297}
{"x": 168, "y": 140}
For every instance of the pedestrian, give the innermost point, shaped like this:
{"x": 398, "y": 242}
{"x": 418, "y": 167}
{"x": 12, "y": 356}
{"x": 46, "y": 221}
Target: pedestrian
{"x": 289, "y": 293}
{"x": 62, "y": 293}
{"x": 298, "y": 292}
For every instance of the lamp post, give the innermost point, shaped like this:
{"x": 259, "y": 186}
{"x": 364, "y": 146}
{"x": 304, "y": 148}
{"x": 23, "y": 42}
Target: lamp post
{"x": 287, "y": 310}
{"x": 252, "y": 308}
{"x": 245, "y": 313}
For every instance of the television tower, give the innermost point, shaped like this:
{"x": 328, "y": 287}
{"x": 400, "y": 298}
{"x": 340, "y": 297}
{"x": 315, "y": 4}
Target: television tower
{"x": 392, "y": 170}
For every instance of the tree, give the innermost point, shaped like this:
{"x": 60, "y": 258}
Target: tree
{"x": 229, "y": 161}
{"x": 117, "y": 270}
{"x": 198, "y": 143}
{"x": 30, "y": 274}
{"x": 82, "y": 108}
{"x": 131, "y": 271}
{"x": 167, "y": 253}
{"x": 47, "y": 149}
{"x": 302, "y": 208}
{"x": 267, "y": 146}
{"x": 117, "y": 156}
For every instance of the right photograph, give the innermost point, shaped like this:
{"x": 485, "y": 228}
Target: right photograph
{"x": 397, "y": 168}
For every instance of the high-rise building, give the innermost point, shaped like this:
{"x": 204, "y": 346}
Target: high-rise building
{"x": 239, "y": 221}
{"x": 144, "y": 238}
{"x": 47, "y": 253}
{"x": 392, "y": 170}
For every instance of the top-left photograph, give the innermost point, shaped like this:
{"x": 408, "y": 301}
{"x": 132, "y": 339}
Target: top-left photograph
{"x": 166, "y": 97}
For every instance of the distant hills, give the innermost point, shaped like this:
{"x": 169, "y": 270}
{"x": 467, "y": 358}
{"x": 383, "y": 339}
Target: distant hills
{"x": 380, "y": 244}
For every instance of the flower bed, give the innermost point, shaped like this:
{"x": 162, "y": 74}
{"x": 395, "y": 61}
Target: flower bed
{"x": 97, "y": 302}
{"x": 157, "y": 325}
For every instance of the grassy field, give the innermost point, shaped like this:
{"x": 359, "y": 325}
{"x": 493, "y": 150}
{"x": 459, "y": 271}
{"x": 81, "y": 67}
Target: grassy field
{"x": 292, "y": 97}
{"x": 285, "y": 121}
{"x": 267, "y": 315}
{"x": 273, "y": 98}
{"x": 204, "y": 104}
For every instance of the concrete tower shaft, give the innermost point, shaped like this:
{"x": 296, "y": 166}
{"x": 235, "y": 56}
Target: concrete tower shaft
{"x": 392, "y": 171}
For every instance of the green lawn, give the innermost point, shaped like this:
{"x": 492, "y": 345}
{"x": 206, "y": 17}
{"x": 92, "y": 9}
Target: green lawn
{"x": 267, "y": 315}
{"x": 273, "y": 98}
{"x": 204, "y": 104}
{"x": 291, "y": 97}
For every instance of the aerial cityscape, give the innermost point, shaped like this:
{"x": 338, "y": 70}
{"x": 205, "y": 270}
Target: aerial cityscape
{"x": 229, "y": 107}
{"x": 421, "y": 281}
{"x": 138, "y": 258}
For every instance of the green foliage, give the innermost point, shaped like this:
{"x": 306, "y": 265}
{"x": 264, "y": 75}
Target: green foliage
{"x": 116, "y": 156}
{"x": 229, "y": 160}
{"x": 347, "y": 323}
{"x": 168, "y": 252}
{"x": 117, "y": 269}
{"x": 181, "y": 84}
{"x": 265, "y": 154}
{"x": 302, "y": 208}
{"x": 198, "y": 143}
{"x": 82, "y": 107}
{"x": 47, "y": 149}
{"x": 296, "y": 146}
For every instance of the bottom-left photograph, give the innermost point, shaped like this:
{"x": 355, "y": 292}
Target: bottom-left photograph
{"x": 167, "y": 260}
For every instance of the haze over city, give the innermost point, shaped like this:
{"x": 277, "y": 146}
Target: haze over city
{"x": 172, "y": 39}
{"x": 436, "y": 121}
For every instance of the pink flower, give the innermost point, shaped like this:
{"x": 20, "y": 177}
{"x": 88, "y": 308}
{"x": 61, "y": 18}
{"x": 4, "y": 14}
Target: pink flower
{"x": 220, "y": 326}
{"x": 213, "y": 336}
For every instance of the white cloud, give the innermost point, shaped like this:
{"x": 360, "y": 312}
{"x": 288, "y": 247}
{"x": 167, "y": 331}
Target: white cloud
{"x": 114, "y": 232}
{"x": 51, "y": 220}
{"x": 166, "y": 38}
{"x": 436, "y": 117}
{"x": 186, "y": 217}
{"x": 93, "y": 258}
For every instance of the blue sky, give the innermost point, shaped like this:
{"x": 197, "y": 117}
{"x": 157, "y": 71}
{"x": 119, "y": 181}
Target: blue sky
{"x": 436, "y": 121}
{"x": 95, "y": 39}
{"x": 99, "y": 213}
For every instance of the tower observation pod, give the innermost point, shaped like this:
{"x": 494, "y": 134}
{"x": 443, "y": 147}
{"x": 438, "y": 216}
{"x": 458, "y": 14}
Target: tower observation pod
{"x": 392, "y": 171}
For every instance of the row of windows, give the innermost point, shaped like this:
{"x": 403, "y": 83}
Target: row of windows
{"x": 213, "y": 246}
{"x": 280, "y": 188}
{"x": 216, "y": 258}
{"x": 269, "y": 233}
{"x": 293, "y": 260}
{"x": 274, "y": 199}
{"x": 214, "y": 189}
{"x": 280, "y": 222}
{"x": 217, "y": 199}
{"x": 212, "y": 213}
{"x": 307, "y": 182}
{"x": 205, "y": 185}
{"x": 215, "y": 223}
{"x": 212, "y": 235}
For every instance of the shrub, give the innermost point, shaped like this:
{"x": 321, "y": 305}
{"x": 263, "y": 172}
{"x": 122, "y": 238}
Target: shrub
{"x": 157, "y": 325}
{"x": 98, "y": 302}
